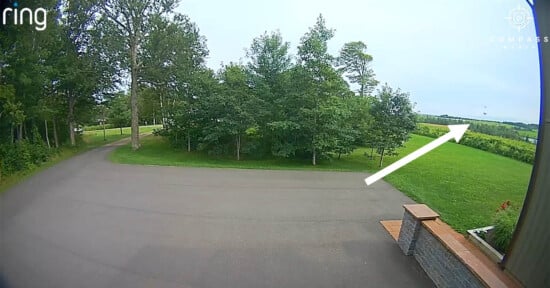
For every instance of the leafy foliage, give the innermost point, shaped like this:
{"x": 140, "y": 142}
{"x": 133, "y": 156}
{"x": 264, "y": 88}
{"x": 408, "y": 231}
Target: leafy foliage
{"x": 119, "y": 111}
{"x": 394, "y": 120}
{"x": 504, "y": 226}
{"x": 271, "y": 106}
{"x": 355, "y": 62}
{"x": 231, "y": 110}
{"x": 53, "y": 82}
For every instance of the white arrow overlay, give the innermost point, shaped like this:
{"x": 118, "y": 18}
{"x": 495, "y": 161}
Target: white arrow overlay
{"x": 456, "y": 132}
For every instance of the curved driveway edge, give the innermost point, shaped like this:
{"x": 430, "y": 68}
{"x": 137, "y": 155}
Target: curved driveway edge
{"x": 87, "y": 222}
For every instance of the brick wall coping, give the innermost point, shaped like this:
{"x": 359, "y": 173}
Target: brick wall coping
{"x": 421, "y": 211}
{"x": 487, "y": 271}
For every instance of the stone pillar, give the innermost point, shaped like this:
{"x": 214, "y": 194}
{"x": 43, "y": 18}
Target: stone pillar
{"x": 412, "y": 220}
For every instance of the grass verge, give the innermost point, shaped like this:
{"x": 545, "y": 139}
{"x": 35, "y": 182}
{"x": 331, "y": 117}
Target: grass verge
{"x": 463, "y": 184}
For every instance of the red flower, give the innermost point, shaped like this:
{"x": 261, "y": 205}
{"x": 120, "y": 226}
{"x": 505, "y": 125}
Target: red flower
{"x": 504, "y": 205}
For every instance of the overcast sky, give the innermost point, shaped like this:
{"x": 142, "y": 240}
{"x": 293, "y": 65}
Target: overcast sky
{"x": 465, "y": 58}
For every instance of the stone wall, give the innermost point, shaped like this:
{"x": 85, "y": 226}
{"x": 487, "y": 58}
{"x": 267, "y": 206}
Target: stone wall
{"x": 442, "y": 266}
{"x": 448, "y": 258}
{"x": 408, "y": 233}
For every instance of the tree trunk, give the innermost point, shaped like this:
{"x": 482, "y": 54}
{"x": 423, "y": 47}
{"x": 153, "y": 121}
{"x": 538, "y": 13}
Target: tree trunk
{"x": 71, "y": 120}
{"x": 47, "y": 136}
{"x": 238, "y": 147}
{"x": 133, "y": 93}
{"x": 314, "y": 157}
{"x": 25, "y": 132}
{"x": 163, "y": 116}
{"x": 55, "y": 138}
{"x": 339, "y": 155}
{"x": 188, "y": 141}
{"x": 120, "y": 130}
{"x": 381, "y": 158}
{"x": 20, "y": 132}
{"x": 72, "y": 136}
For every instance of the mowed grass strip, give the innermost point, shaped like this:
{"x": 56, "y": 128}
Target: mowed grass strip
{"x": 94, "y": 138}
{"x": 463, "y": 184}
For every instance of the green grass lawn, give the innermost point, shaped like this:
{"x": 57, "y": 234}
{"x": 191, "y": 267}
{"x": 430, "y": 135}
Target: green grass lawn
{"x": 463, "y": 184}
{"x": 89, "y": 140}
{"x": 94, "y": 138}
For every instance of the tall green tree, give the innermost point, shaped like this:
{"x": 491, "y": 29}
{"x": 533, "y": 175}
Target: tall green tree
{"x": 174, "y": 58}
{"x": 354, "y": 123}
{"x": 132, "y": 21}
{"x": 269, "y": 65}
{"x": 27, "y": 73}
{"x": 268, "y": 59}
{"x": 355, "y": 63}
{"x": 318, "y": 87}
{"x": 86, "y": 62}
{"x": 232, "y": 110}
{"x": 393, "y": 120}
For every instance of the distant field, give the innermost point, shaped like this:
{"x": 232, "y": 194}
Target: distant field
{"x": 491, "y": 123}
{"x": 441, "y": 126}
{"x": 512, "y": 130}
{"x": 531, "y": 134}
{"x": 463, "y": 184}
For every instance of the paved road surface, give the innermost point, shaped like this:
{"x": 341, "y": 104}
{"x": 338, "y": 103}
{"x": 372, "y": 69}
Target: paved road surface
{"x": 90, "y": 223}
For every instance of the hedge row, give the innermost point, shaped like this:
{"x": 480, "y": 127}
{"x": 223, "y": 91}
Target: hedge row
{"x": 506, "y": 129}
{"x": 514, "y": 149}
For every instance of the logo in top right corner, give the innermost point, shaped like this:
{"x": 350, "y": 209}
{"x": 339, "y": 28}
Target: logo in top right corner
{"x": 519, "y": 18}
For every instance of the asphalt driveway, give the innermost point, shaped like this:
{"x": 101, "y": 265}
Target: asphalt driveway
{"x": 90, "y": 223}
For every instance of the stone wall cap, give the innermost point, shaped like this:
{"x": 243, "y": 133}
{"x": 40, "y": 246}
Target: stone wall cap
{"x": 486, "y": 270}
{"x": 421, "y": 211}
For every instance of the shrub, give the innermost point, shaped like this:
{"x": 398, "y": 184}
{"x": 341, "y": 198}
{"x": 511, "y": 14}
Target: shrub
{"x": 38, "y": 150}
{"x": 160, "y": 132}
{"x": 505, "y": 222}
{"x": 15, "y": 157}
{"x": 24, "y": 154}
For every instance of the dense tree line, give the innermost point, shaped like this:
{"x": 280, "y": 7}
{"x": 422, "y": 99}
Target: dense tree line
{"x": 48, "y": 81}
{"x": 302, "y": 107}
{"x": 53, "y": 79}
{"x": 73, "y": 72}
